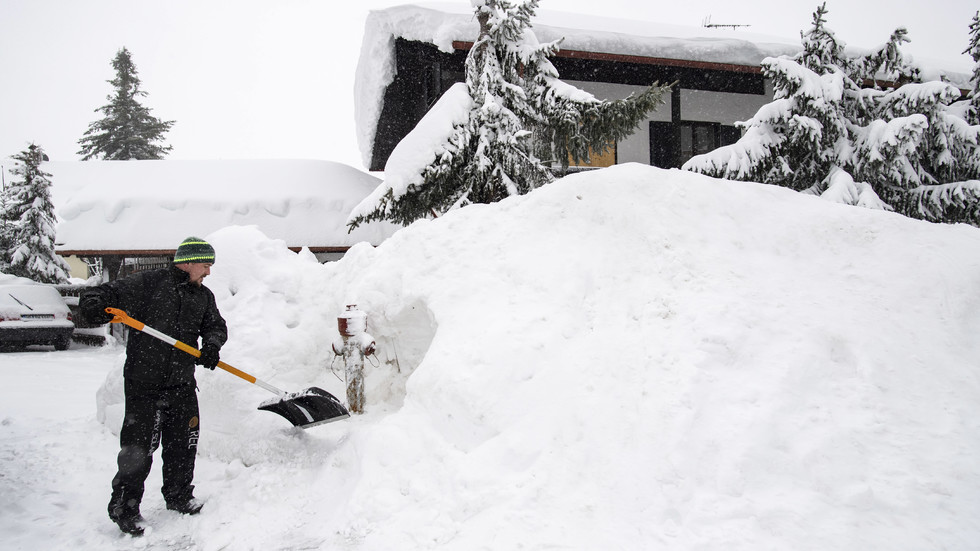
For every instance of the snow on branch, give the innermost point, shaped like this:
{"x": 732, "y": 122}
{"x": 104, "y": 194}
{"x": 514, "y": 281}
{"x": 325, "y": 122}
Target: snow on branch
{"x": 840, "y": 187}
{"x": 910, "y": 149}
{"x": 951, "y": 203}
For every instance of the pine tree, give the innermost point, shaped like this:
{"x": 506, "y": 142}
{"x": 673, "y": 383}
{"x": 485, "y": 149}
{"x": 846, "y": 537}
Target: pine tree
{"x": 6, "y": 226}
{"x": 973, "y": 114}
{"x": 887, "y": 61}
{"x": 797, "y": 140}
{"x": 833, "y": 131}
{"x": 32, "y": 255}
{"x": 128, "y": 131}
{"x": 522, "y": 127}
{"x": 822, "y": 52}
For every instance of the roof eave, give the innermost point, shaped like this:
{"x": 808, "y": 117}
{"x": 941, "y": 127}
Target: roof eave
{"x": 644, "y": 60}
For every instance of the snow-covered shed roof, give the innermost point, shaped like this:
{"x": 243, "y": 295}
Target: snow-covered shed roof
{"x": 442, "y": 24}
{"x": 145, "y": 206}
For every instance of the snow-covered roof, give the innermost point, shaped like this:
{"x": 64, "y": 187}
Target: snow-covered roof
{"x": 153, "y": 205}
{"x": 442, "y": 23}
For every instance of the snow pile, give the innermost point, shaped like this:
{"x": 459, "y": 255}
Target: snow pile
{"x": 629, "y": 358}
{"x": 634, "y": 358}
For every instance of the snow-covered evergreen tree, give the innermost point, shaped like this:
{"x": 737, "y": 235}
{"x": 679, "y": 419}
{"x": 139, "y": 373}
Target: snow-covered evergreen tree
{"x": 973, "y": 50}
{"x": 32, "y": 254}
{"x": 955, "y": 155}
{"x": 934, "y": 177}
{"x": 798, "y": 139}
{"x": 518, "y": 128}
{"x": 832, "y": 131}
{"x": 6, "y": 226}
{"x": 822, "y": 52}
{"x": 128, "y": 131}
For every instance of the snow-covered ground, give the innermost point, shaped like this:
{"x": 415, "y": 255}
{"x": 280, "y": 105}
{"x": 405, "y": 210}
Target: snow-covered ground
{"x": 630, "y": 358}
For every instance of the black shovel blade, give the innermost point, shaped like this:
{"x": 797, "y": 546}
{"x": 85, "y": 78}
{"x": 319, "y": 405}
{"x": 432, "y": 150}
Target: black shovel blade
{"x": 307, "y": 408}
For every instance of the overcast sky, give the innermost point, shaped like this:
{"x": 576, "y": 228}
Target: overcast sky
{"x": 273, "y": 79}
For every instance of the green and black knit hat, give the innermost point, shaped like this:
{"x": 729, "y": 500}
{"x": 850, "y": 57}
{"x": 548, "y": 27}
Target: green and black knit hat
{"x": 194, "y": 249}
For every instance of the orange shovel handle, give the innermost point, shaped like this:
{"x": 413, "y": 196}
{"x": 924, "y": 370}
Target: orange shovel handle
{"x": 120, "y": 316}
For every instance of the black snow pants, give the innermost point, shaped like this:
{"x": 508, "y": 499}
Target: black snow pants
{"x": 154, "y": 417}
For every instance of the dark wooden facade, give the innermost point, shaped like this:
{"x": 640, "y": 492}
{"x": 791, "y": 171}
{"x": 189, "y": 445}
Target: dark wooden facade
{"x": 424, "y": 73}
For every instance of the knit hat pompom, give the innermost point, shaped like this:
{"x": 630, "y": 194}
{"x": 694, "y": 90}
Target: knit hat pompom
{"x": 194, "y": 249}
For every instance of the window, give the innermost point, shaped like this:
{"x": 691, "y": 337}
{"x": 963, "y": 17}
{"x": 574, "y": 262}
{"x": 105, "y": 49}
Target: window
{"x": 432, "y": 83}
{"x": 672, "y": 144}
{"x": 696, "y": 138}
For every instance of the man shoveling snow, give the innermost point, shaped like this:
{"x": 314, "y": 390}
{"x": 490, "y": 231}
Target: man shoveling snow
{"x": 161, "y": 392}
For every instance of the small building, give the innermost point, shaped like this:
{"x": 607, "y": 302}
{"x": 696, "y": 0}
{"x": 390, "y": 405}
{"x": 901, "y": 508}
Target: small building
{"x": 130, "y": 215}
{"x": 412, "y": 54}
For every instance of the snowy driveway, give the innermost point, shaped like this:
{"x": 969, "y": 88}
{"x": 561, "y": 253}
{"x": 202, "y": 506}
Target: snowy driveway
{"x": 56, "y": 459}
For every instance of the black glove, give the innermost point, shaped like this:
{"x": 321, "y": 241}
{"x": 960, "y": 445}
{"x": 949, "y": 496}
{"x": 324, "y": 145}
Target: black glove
{"x": 93, "y": 310}
{"x": 209, "y": 356}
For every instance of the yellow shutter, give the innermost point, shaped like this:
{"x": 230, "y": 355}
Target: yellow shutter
{"x": 598, "y": 161}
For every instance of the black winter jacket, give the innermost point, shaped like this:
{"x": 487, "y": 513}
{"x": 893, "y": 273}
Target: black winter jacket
{"x": 164, "y": 300}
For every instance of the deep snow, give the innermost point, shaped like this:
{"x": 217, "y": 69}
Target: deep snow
{"x": 629, "y": 358}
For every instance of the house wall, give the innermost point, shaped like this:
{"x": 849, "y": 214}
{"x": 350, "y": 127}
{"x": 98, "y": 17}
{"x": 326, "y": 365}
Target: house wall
{"x": 695, "y": 105}
{"x": 78, "y": 268}
{"x": 635, "y": 148}
{"x": 721, "y": 107}
{"x": 701, "y": 95}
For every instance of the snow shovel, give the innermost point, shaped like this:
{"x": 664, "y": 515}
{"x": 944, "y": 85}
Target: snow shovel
{"x": 304, "y": 409}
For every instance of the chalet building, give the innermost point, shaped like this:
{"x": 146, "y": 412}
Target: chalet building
{"x": 699, "y": 116}
{"x": 412, "y": 54}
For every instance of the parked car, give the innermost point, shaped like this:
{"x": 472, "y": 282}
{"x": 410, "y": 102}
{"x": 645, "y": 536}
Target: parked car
{"x": 34, "y": 314}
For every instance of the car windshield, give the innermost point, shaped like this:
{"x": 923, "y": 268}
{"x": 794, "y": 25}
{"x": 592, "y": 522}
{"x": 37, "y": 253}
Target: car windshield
{"x": 21, "y": 302}
{"x": 31, "y": 298}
